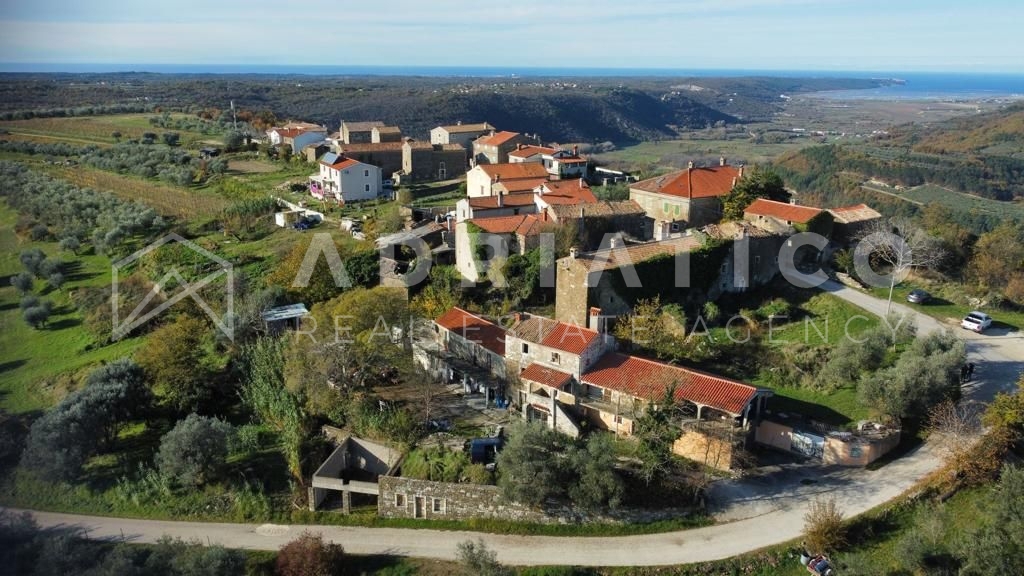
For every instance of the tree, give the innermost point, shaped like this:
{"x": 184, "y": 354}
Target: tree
{"x": 193, "y": 452}
{"x": 656, "y": 433}
{"x": 997, "y": 547}
{"x": 60, "y": 441}
{"x": 598, "y": 485}
{"x": 171, "y": 138}
{"x": 115, "y": 135}
{"x": 70, "y": 244}
{"x": 37, "y": 316}
{"x": 823, "y": 526}
{"x": 23, "y": 282}
{"x": 56, "y": 280}
{"x": 899, "y": 245}
{"x": 532, "y": 464}
{"x": 645, "y": 328}
{"x": 175, "y": 361}
{"x": 757, "y": 183}
{"x": 32, "y": 260}
{"x": 479, "y": 559}
{"x": 1007, "y": 411}
{"x": 404, "y": 196}
{"x": 284, "y": 151}
{"x": 310, "y": 555}
{"x": 924, "y": 375}
{"x": 233, "y": 140}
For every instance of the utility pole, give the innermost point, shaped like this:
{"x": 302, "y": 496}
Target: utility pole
{"x": 234, "y": 118}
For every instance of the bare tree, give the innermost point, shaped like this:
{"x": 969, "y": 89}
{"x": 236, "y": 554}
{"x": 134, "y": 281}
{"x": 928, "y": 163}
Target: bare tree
{"x": 898, "y": 244}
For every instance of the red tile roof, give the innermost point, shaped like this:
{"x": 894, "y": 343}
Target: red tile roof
{"x": 552, "y": 333}
{"x": 567, "y": 192}
{"x": 518, "y": 171}
{"x": 341, "y": 163}
{"x": 647, "y": 379}
{"x": 497, "y": 139}
{"x": 527, "y": 225}
{"x": 782, "y": 210}
{"x": 486, "y": 202}
{"x": 522, "y": 186}
{"x": 527, "y": 151}
{"x": 705, "y": 182}
{"x": 474, "y": 328}
{"x": 546, "y": 376}
{"x": 858, "y": 213}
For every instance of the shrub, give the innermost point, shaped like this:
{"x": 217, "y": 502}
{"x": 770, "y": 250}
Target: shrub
{"x": 480, "y": 560}
{"x": 194, "y": 450}
{"x": 309, "y": 555}
{"x": 823, "y": 526}
{"x": 775, "y": 308}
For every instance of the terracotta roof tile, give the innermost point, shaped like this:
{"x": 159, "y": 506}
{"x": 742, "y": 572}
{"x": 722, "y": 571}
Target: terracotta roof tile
{"x": 547, "y": 376}
{"x": 647, "y": 379}
{"x": 372, "y": 147}
{"x": 518, "y": 186}
{"x": 703, "y": 182}
{"x": 527, "y": 151}
{"x": 782, "y": 210}
{"x": 474, "y": 328}
{"x": 463, "y": 128}
{"x": 488, "y": 202}
{"x": 527, "y": 225}
{"x": 519, "y": 171}
{"x": 566, "y": 192}
{"x": 597, "y": 209}
{"x": 858, "y": 213}
{"x": 553, "y": 334}
{"x": 497, "y": 139}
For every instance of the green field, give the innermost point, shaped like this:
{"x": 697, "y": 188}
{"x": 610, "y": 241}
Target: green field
{"x": 99, "y": 129}
{"x": 961, "y": 202}
{"x": 947, "y": 304}
{"x": 673, "y": 154}
{"x": 30, "y": 359}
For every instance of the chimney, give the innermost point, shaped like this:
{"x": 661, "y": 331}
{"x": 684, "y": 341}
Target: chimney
{"x": 721, "y": 161}
{"x": 689, "y": 165}
{"x": 614, "y": 242}
{"x": 582, "y": 183}
{"x": 733, "y": 181}
{"x": 574, "y": 252}
{"x": 501, "y": 199}
{"x": 575, "y": 150}
{"x": 518, "y": 316}
{"x": 448, "y": 220}
{"x": 520, "y": 146}
{"x": 741, "y": 170}
{"x": 596, "y": 322}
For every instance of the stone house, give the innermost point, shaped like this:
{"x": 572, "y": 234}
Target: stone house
{"x": 494, "y": 206}
{"x": 494, "y": 148}
{"x": 425, "y": 162}
{"x": 594, "y": 220}
{"x": 380, "y": 134}
{"x": 483, "y": 179}
{"x": 345, "y": 179}
{"x": 559, "y": 164}
{"x": 689, "y": 198}
{"x": 517, "y": 233}
{"x": 462, "y": 347}
{"x": 463, "y": 134}
{"x": 358, "y": 132}
{"x": 385, "y": 155}
{"x": 749, "y": 257}
{"x": 851, "y": 221}
{"x": 787, "y": 218}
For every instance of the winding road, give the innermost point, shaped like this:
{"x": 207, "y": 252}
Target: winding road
{"x": 754, "y": 513}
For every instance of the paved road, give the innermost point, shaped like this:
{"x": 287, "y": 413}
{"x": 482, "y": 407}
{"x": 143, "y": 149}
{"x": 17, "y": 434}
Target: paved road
{"x": 764, "y": 511}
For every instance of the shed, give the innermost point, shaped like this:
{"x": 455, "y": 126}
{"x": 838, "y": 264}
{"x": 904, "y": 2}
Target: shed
{"x": 284, "y": 317}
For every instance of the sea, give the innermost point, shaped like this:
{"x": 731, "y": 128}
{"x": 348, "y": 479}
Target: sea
{"x": 910, "y": 85}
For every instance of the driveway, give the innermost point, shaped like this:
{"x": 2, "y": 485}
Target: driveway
{"x": 999, "y": 357}
{"x": 755, "y": 512}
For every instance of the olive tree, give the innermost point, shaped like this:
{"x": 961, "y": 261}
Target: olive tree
{"x": 193, "y": 452}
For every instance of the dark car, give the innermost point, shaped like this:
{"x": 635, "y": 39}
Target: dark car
{"x": 918, "y": 296}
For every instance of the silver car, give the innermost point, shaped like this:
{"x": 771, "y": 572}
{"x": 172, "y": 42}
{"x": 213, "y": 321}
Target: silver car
{"x": 976, "y": 321}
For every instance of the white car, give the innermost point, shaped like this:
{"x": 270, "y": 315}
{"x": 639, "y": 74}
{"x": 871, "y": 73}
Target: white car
{"x": 976, "y": 321}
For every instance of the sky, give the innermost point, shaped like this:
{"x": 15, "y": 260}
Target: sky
{"x": 826, "y": 35}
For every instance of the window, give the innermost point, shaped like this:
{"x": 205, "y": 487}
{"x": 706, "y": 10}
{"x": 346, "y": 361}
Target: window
{"x": 367, "y": 187}
{"x": 555, "y": 358}
{"x": 675, "y": 227}
{"x": 618, "y": 419}
{"x": 399, "y": 500}
{"x": 366, "y": 173}
{"x": 757, "y": 261}
{"x": 441, "y": 166}
{"x": 664, "y": 207}
{"x": 526, "y": 348}
{"x": 789, "y": 222}
{"x": 677, "y": 209}
{"x": 438, "y": 505}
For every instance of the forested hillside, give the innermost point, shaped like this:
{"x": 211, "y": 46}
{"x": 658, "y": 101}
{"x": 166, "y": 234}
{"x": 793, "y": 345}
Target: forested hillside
{"x": 620, "y": 110}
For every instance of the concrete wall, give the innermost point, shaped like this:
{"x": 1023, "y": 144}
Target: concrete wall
{"x": 769, "y": 223}
{"x": 775, "y": 435}
{"x": 858, "y": 451}
{"x": 705, "y": 449}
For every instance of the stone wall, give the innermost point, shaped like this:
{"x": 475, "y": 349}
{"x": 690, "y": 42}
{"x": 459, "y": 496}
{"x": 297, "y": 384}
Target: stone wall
{"x": 858, "y": 451}
{"x": 410, "y": 498}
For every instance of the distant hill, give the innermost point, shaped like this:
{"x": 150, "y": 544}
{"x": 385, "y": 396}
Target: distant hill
{"x": 999, "y": 133}
{"x": 620, "y": 110}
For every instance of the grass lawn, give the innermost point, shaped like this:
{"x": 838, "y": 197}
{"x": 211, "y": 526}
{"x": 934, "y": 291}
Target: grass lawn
{"x": 943, "y": 308}
{"x": 30, "y": 358}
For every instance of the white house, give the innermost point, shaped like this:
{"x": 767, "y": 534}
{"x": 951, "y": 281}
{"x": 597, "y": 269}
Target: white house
{"x": 297, "y": 135}
{"x": 345, "y": 179}
{"x": 460, "y": 133}
{"x": 522, "y": 177}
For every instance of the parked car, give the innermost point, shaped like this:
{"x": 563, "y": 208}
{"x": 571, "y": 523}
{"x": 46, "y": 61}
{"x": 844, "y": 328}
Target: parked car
{"x": 388, "y": 183}
{"x": 918, "y": 296}
{"x": 976, "y": 321}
